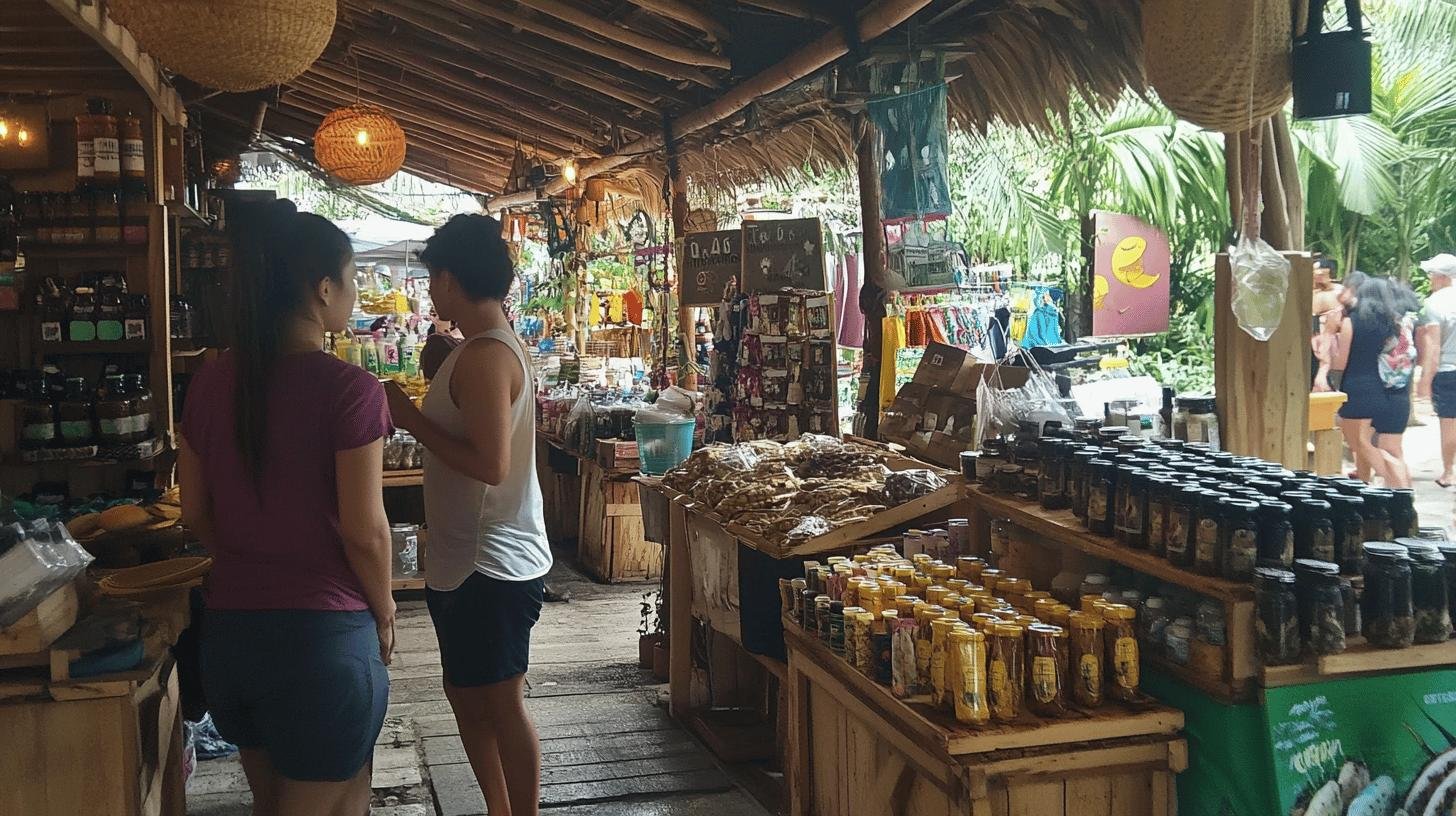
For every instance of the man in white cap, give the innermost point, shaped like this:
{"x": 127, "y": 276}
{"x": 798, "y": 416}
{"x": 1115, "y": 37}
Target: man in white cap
{"x": 1436, "y": 339}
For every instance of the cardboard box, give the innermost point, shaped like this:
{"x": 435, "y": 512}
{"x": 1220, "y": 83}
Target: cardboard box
{"x": 616, "y": 453}
{"x": 955, "y": 369}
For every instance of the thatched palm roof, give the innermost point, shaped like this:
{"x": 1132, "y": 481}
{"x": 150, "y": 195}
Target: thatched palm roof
{"x": 470, "y": 79}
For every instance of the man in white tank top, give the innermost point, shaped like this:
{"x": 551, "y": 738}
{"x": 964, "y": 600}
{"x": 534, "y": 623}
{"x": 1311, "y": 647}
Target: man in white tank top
{"x": 488, "y": 549}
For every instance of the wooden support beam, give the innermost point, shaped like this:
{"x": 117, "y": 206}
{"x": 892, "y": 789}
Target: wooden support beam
{"x": 873, "y": 21}
{"x": 91, "y": 19}
{"x": 460, "y": 32}
{"x": 802, "y": 9}
{"x": 871, "y": 296}
{"x": 616, "y": 53}
{"x": 626, "y": 36}
{"x": 685, "y": 12}
{"x": 687, "y": 335}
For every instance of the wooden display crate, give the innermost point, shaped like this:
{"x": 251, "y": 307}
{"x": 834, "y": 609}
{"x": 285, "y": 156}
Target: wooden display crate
{"x": 1234, "y": 671}
{"x": 855, "y": 749}
{"x": 559, "y": 472}
{"x": 107, "y": 745}
{"x": 611, "y": 546}
{"x": 42, "y": 625}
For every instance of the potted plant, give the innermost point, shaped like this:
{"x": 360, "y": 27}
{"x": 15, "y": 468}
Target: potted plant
{"x": 650, "y": 629}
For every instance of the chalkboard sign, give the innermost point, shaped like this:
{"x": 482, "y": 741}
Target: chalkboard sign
{"x": 708, "y": 263}
{"x": 778, "y": 254}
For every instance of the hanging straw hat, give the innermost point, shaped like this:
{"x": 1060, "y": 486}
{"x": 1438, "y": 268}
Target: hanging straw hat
{"x": 1220, "y": 64}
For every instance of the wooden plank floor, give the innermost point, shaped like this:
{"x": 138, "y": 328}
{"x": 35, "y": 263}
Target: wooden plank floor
{"x": 607, "y": 747}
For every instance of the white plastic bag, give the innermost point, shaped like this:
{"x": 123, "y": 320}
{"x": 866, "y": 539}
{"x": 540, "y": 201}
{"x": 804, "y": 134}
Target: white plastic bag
{"x": 1260, "y": 281}
{"x": 999, "y": 409}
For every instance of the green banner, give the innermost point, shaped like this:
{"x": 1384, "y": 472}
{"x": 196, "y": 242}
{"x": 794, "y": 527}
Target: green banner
{"x": 1369, "y": 746}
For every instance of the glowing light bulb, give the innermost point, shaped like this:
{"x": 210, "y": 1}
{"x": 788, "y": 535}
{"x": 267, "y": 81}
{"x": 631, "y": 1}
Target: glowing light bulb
{"x": 568, "y": 171}
{"x": 4, "y": 129}
{"x": 362, "y": 137}
{"x": 23, "y": 137}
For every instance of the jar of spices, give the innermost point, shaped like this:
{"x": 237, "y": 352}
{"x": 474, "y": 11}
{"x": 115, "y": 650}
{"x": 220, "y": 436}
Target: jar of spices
{"x": 903, "y": 674}
{"x": 1403, "y": 520}
{"x": 822, "y": 605}
{"x": 1428, "y": 592}
{"x": 1045, "y": 693}
{"x": 1346, "y": 512}
{"x": 1099, "y": 496}
{"x": 924, "y": 635}
{"x": 993, "y": 455}
{"x": 74, "y": 418}
{"x": 1178, "y": 641}
{"x": 1327, "y": 611}
{"x": 1377, "y": 514}
{"x": 113, "y": 412}
{"x": 1448, "y": 549}
{"x": 968, "y": 568}
{"x": 37, "y": 417}
{"x": 1132, "y": 512}
{"x": 1182, "y": 521}
{"x": 1351, "y": 604}
{"x": 1152, "y": 624}
{"x": 1086, "y": 663}
{"x": 1052, "y": 474}
{"x": 882, "y": 646}
{"x": 1123, "y": 661}
{"x": 1387, "y": 613}
{"x": 1005, "y": 671}
{"x": 808, "y": 611}
{"x": 968, "y": 686}
{"x": 1160, "y": 500}
{"x": 1306, "y": 572}
{"x": 968, "y": 465}
{"x": 961, "y": 539}
{"x": 857, "y": 637}
{"x": 1240, "y": 542}
{"x": 1207, "y": 558}
{"x": 1314, "y": 530}
{"x": 1276, "y": 617}
{"x": 1077, "y": 468}
{"x": 1276, "y": 533}
{"x": 1007, "y": 480}
{"x": 1209, "y": 623}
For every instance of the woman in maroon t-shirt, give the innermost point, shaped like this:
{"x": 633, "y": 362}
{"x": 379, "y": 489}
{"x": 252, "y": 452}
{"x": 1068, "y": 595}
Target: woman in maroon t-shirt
{"x": 281, "y": 468}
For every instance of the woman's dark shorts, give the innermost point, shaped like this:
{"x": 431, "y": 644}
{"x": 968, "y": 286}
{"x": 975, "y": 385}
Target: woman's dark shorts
{"x": 1443, "y": 394}
{"x": 484, "y": 628}
{"x": 308, "y": 687}
{"x": 1387, "y": 409}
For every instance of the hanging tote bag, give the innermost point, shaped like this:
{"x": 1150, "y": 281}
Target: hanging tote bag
{"x": 1332, "y": 68}
{"x": 1220, "y": 64}
{"x": 1397, "y": 362}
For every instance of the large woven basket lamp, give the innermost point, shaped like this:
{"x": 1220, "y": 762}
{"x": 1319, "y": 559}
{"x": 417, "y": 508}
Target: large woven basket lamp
{"x": 1220, "y": 64}
{"x": 359, "y": 144}
{"x": 231, "y": 45}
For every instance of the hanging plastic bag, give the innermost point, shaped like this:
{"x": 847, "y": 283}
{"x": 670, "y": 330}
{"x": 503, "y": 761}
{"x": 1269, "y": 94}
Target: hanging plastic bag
{"x": 1260, "y": 279}
{"x": 999, "y": 409}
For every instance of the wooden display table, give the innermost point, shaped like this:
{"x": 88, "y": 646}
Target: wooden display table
{"x": 611, "y": 546}
{"x": 559, "y": 471}
{"x": 853, "y": 748}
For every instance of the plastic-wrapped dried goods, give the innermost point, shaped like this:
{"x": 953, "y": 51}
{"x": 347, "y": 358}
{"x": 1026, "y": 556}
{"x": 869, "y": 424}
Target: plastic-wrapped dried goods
{"x": 908, "y": 485}
{"x": 808, "y": 527}
{"x": 1261, "y": 278}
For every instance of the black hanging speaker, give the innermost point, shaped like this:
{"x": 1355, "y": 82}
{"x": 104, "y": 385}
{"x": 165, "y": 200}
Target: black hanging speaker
{"x": 1332, "y": 68}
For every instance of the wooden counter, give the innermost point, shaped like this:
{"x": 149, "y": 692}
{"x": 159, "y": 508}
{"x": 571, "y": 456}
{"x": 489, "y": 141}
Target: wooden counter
{"x": 853, "y": 748}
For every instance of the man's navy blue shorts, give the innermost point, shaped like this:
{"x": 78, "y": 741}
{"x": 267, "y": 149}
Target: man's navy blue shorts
{"x": 308, "y": 687}
{"x": 484, "y": 628}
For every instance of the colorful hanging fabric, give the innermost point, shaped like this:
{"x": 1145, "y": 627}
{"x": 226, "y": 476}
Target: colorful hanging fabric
{"x": 633, "y": 302}
{"x": 594, "y": 311}
{"x": 894, "y": 340}
{"x": 616, "y": 312}
{"x": 1044, "y": 327}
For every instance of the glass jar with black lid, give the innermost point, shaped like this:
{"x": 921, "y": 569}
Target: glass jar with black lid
{"x": 993, "y": 455}
{"x": 1428, "y": 591}
{"x": 1130, "y": 523}
{"x": 1314, "y": 531}
{"x": 1387, "y": 614}
{"x": 1099, "y": 496}
{"x": 1403, "y": 520}
{"x": 1239, "y": 536}
{"x": 1347, "y": 514}
{"x": 1053, "y": 474}
{"x": 1222, "y": 459}
{"x": 1268, "y": 487}
{"x": 1448, "y": 549}
{"x": 1024, "y": 450}
{"x": 1208, "y": 534}
{"x": 1160, "y": 503}
{"x": 1377, "y": 514}
{"x": 1277, "y": 616}
{"x": 1181, "y": 523}
{"x": 1321, "y": 606}
{"x": 1276, "y": 533}
{"x": 1077, "y": 479}
{"x": 1084, "y": 429}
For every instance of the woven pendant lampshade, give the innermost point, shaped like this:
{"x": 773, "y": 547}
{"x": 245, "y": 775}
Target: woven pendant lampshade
{"x": 230, "y": 45}
{"x": 359, "y": 144}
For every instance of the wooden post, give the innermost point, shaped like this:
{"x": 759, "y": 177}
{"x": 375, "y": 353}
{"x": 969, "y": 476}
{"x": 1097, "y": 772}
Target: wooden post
{"x": 872, "y": 270}
{"x": 687, "y": 333}
{"x": 1263, "y": 387}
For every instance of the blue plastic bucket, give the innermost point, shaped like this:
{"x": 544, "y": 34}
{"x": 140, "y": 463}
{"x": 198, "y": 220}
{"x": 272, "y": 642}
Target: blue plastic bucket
{"x": 662, "y": 446}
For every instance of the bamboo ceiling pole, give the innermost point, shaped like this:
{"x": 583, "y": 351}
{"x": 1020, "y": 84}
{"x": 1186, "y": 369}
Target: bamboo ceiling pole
{"x": 830, "y": 46}
{"x": 871, "y": 295}
{"x": 685, "y": 12}
{"x": 789, "y": 8}
{"x": 626, "y": 36}
{"x": 631, "y": 59}
{"x": 686, "y": 331}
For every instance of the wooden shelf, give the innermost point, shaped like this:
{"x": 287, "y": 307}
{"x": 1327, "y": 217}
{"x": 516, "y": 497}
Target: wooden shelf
{"x": 1358, "y": 658}
{"x": 403, "y": 478}
{"x": 93, "y": 348}
{"x": 186, "y": 348}
{"x": 407, "y": 584}
{"x": 1063, "y": 527}
{"x": 84, "y": 251}
{"x": 937, "y": 730}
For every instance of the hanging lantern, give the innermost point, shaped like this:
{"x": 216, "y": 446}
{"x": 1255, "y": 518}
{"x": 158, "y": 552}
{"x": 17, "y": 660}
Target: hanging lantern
{"x": 359, "y": 144}
{"x": 230, "y": 45}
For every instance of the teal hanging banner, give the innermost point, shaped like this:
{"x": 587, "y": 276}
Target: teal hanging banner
{"x": 914, "y": 153}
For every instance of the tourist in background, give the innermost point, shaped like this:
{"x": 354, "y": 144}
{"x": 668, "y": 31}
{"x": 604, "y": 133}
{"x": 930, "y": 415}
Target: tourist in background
{"x": 1436, "y": 339}
{"x": 1377, "y": 408}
